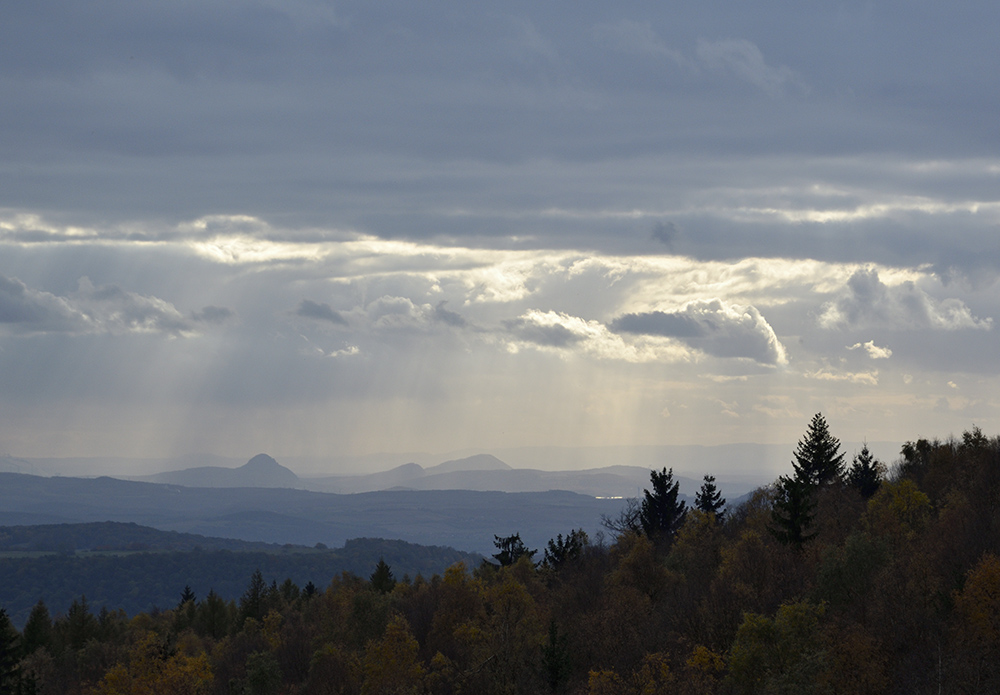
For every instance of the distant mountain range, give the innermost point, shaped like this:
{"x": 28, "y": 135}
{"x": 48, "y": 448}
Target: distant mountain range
{"x": 260, "y": 471}
{"x": 462, "y": 519}
{"x": 480, "y": 472}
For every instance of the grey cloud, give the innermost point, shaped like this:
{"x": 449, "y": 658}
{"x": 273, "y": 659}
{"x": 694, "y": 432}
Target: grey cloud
{"x": 718, "y": 329}
{"x": 91, "y": 309}
{"x": 555, "y": 335}
{"x": 213, "y": 314}
{"x": 744, "y": 59}
{"x": 665, "y": 233}
{"x": 32, "y": 310}
{"x": 451, "y": 318}
{"x": 867, "y": 302}
{"x": 629, "y": 36}
{"x": 671, "y": 325}
{"x": 320, "y": 312}
{"x": 115, "y": 310}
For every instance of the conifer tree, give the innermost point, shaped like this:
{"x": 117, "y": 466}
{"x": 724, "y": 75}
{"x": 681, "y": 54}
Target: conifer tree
{"x": 818, "y": 459}
{"x": 661, "y": 514}
{"x": 792, "y": 512}
{"x": 560, "y": 551}
{"x": 381, "y": 579}
{"x": 511, "y": 549}
{"x": 866, "y": 473}
{"x": 10, "y": 654}
{"x": 709, "y": 499}
{"x": 38, "y": 630}
{"x": 253, "y": 602}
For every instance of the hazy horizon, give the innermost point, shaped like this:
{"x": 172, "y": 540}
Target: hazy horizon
{"x": 758, "y": 462}
{"x": 330, "y": 229}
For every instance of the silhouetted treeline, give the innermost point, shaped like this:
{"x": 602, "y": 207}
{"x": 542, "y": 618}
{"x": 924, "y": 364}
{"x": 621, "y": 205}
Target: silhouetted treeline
{"x": 820, "y": 583}
{"x": 139, "y": 581}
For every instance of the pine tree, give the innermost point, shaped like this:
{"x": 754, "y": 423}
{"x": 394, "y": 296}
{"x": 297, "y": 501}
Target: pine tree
{"x": 709, "y": 499}
{"x": 818, "y": 459}
{"x": 865, "y": 473}
{"x": 661, "y": 514}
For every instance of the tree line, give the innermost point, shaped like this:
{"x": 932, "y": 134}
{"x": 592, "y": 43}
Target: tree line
{"x": 837, "y": 578}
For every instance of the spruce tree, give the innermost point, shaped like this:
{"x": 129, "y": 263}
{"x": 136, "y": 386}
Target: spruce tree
{"x": 661, "y": 514}
{"x": 709, "y": 499}
{"x": 818, "y": 459}
{"x": 381, "y": 579}
{"x": 560, "y": 551}
{"x": 38, "y": 630}
{"x": 511, "y": 549}
{"x": 792, "y": 512}
{"x": 253, "y": 602}
{"x": 866, "y": 473}
{"x": 10, "y": 654}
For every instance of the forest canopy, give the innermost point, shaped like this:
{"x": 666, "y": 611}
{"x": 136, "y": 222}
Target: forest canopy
{"x": 844, "y": 576}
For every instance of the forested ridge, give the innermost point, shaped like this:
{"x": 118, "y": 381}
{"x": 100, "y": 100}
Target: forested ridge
{"x": 136, "y": 569}
{"x": 844, "y": 576}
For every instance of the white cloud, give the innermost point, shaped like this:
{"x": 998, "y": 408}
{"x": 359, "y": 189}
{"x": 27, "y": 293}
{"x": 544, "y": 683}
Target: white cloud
{"x": 867, "y": 302}
{"x": 826, "y": 374}
{"x": 874, "y": 351}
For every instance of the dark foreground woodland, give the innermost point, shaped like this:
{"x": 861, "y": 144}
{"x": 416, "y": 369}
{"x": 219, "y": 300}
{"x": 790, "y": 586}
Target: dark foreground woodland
{"x": 841, "y": 577}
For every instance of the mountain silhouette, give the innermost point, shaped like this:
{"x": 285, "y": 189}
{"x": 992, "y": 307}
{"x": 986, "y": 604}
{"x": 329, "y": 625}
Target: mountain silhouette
{"x": 260, "y": 471}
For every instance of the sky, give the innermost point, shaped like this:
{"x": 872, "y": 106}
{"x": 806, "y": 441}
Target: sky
{"x": 339, "y": 228}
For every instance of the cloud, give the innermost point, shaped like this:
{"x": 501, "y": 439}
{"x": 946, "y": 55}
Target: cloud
{"x": 31, "y": 310}
{"x": 826, "y": 374}
{"x": 451, "y": 318}
{"x": 319, "y": 312}
{"x": 544, "y": 329}
{"x": 111, "y": 309}
{"x": 562, "y": 333}
{"x": 743, "y": 59}
{"x": 213, "y": 314}
{"x": 873, "y": 350}
{"x": 628, "y": 36}
{"x": 867, "y": 302}
{"x": 665, "y": 233}
{"x": 91, "y": 309}
{"x": 717, "y": 328}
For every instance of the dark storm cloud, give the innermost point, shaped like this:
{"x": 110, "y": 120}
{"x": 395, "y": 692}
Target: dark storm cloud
{"x": 320, "y": 312}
